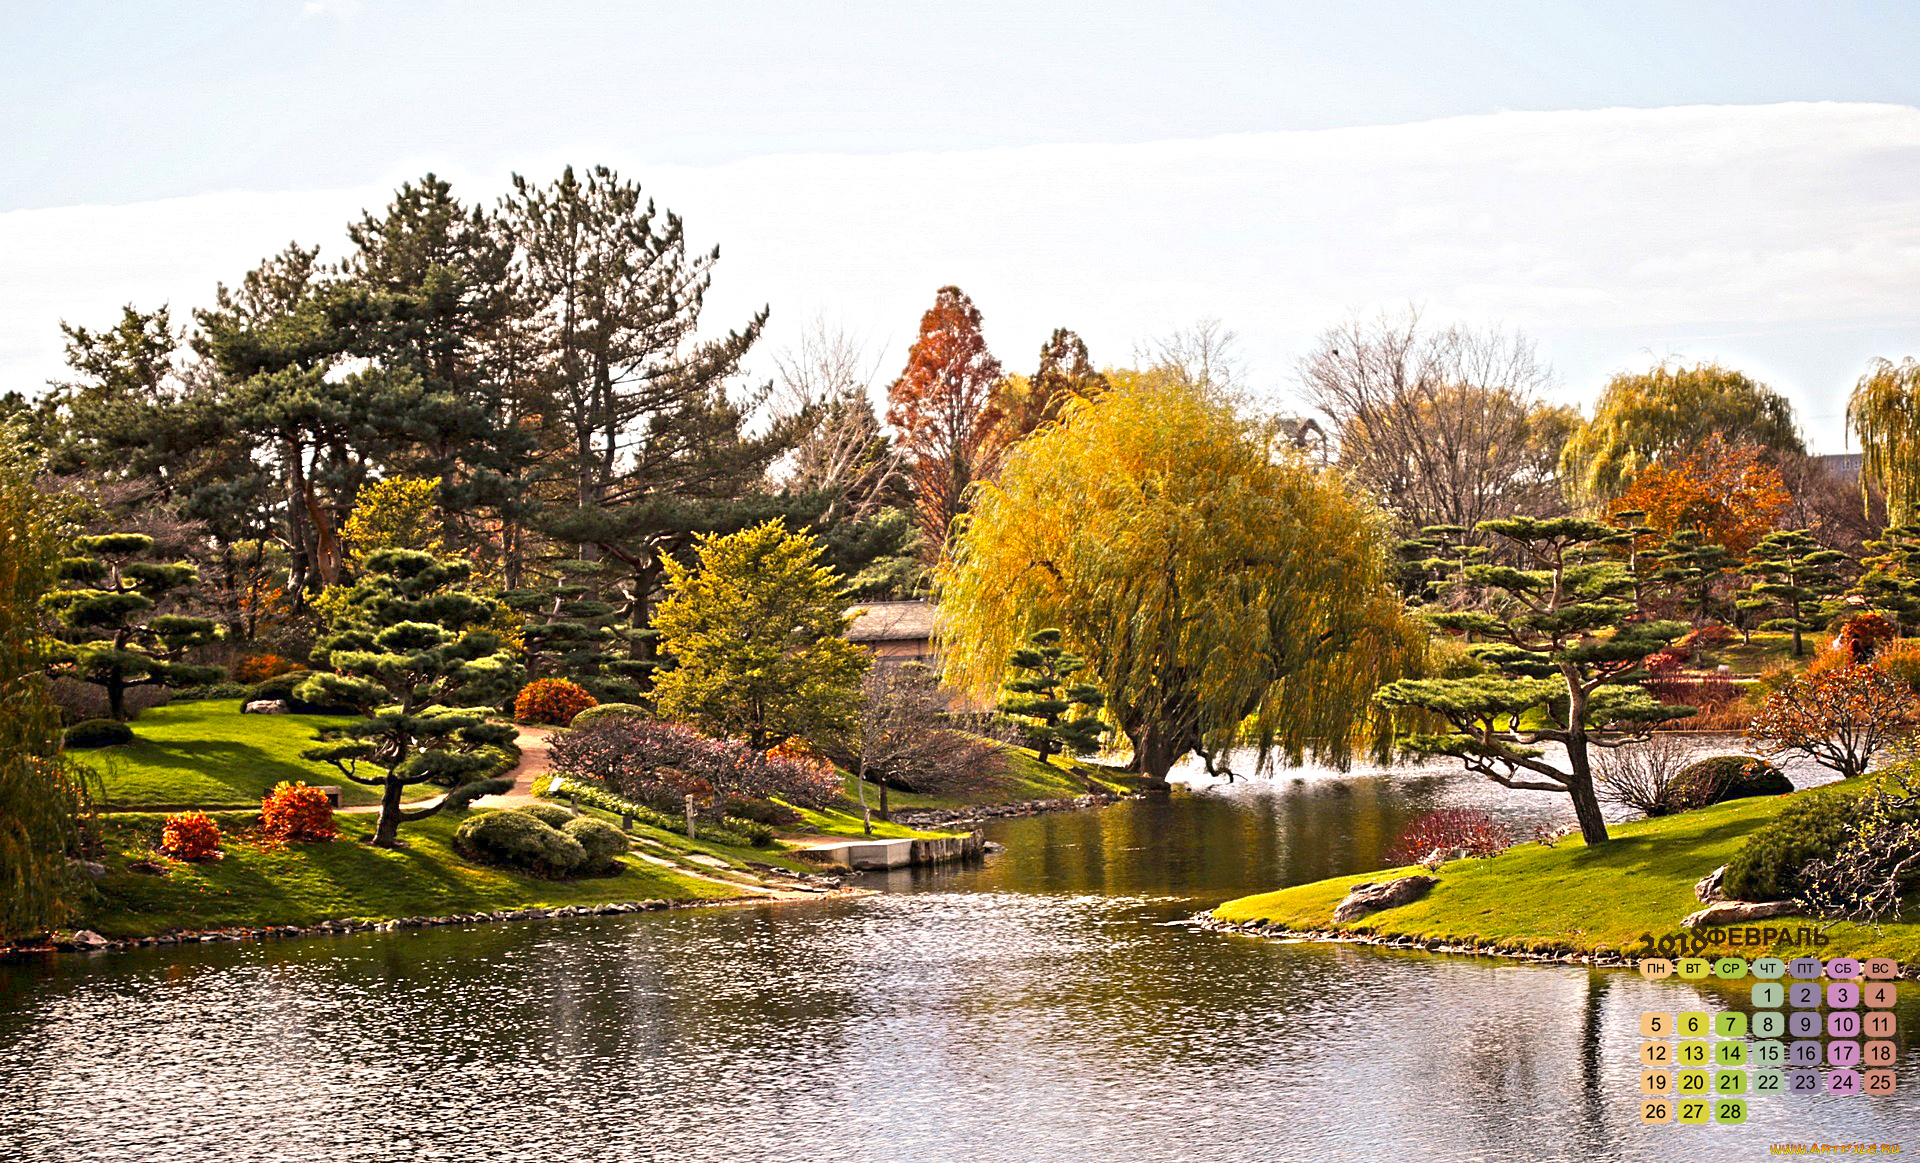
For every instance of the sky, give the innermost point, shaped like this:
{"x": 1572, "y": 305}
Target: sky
{"x": 1625, "y": 183}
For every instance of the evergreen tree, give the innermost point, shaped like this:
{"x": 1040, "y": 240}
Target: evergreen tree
{"x": 1690, "y": 567}
{"x": 1890, "y": 582}
{"x": 111, "y": 634}
{"x": 1796, "y": 579}
{"x": 1560, "y": 652}
{"x": 1059, "y": 713}
{"x": 571, "y": 633}
{"x": 408, "y": 647}
{"x": 1429, "y": 562}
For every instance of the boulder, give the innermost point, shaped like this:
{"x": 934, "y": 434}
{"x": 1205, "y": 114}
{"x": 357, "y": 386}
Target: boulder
{"x": 1725, "y": 777}
{"x": 1737, "y": 913}
{"x": 87, "y": 869}
{"x": 86, "y": 939}
{"x": 1708, "y": 887}
{"x": 1388, "y": 894}
{"x": 264, "y": 707}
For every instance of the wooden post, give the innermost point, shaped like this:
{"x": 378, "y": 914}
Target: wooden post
{"x": 626, "y": 821}
{"x": 691, "y": 834}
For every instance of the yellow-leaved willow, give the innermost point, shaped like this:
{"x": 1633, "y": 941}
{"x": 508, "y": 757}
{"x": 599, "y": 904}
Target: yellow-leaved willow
{"x": 1222, "y": 590}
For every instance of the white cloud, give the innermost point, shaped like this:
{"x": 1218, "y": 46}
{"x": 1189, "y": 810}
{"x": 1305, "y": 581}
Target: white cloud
{"x": 1607, "y": 232}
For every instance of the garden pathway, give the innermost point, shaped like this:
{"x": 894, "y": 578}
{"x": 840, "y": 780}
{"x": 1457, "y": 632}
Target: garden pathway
{"x": 533, "y": 743}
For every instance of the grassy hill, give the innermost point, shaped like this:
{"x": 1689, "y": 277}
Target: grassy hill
{"x": 1571, "y": 897}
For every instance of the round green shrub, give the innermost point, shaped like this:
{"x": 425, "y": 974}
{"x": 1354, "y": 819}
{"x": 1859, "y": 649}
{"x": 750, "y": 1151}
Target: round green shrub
{"x": 601, "y": 840}
{"x": 280, "y": 687}
{"x": 552, "y": 815}
{"x": 99, "y": 733}
{"x": 516, "y": 839}
{"x": 1725, "y": 777}
{"x": 1769, "y": 864}
{"x": 606, "y": 711}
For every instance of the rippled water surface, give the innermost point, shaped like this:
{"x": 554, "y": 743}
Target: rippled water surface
{"x": 1036, "y": 1007}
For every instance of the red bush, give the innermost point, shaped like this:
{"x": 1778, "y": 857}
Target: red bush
{"x": 1447, "y": 830}
{"x": 551, "y": 700}
{"x": 294, "y": 811}
{"x": 1862, "y": 637}
{"x": 261, "y": 667}
{"x": 1706, "y": 637}
{"x": 190, "y": 836}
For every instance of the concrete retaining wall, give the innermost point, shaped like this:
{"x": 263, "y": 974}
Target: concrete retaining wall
{"x": 879, "y": 855}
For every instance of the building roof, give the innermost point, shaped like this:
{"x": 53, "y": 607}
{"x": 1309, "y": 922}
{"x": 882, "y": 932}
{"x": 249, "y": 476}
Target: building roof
{"x": 891, "y": 622}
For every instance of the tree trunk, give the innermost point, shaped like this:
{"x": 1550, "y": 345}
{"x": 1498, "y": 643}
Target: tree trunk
{"x": 883, "y": 800}
{"x": 1586, "y": 804}
{"x": 1156, "y": 748}
{"x": 117, "y": 700}
{"x": 386, "y": 831}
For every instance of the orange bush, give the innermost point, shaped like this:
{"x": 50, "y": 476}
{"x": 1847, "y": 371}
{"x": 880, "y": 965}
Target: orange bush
{"x": 261, "y": 667}
{"x": 190, "y": 836}
{"x": 294, "y": 811}
{"x": 551, "y": 700}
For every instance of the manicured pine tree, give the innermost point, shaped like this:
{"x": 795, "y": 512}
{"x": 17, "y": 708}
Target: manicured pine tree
{"x": 1796, "y": 578}
{"x": 572, "y": 633}
{"x": 1058, "y": 714}
{"x": 1891, "y": 581}
{"x": 1690, "y": 566}
{"x": 1639, "y": 547}
{"x": 111, "y": 636}
{"x": 1429, "y": 562}
{"x": 409, "y": 648}
{"x": 1560, "y": 652}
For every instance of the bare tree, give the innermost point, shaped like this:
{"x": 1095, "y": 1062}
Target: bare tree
{"x": 1640, "y": 776}
{"x": 824, "y": 383}
{"x": 902, "y": 739}
{"x": 1205, "y": 355}
{"x": 1444, "y": 427}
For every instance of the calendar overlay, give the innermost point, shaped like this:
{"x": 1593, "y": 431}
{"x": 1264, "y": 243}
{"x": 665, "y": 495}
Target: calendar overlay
{"x": 1817, "y": 1028}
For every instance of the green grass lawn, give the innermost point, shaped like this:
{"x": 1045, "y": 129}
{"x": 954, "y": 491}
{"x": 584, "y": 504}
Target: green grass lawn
{"x": 1571, "y": 897}
{"x": 207, "y": 754}
{"x": 1769, "y": 650}
{"x": 1025, "y": 778}
{"x": 301, "y": 884}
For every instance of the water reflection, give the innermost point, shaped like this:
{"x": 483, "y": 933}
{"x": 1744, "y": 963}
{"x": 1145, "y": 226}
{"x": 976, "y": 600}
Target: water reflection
{"x": 1034, "y": 1007}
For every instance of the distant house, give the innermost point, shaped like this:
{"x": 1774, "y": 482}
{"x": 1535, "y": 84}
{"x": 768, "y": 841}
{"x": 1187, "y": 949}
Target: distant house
{"x": 896, "y": 632}
{"x": 1841, "y": 466}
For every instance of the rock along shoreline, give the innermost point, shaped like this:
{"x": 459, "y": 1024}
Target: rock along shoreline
{"x": 87, "y": 941}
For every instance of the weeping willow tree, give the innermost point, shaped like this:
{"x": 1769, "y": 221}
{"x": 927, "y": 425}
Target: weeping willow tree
{"x": 1213, "y": 585}
{"x": 40, "y": 796}
{"x": 1884, "y": 412}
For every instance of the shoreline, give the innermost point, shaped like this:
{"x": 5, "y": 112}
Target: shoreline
{"x": 348, "y": 926}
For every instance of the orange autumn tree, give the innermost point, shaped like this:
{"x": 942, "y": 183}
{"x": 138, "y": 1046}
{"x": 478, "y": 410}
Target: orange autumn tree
{"x": 1729, "y": 494}
{"x": 943, "y": 409}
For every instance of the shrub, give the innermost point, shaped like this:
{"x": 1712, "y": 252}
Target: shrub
{"x": 739, "y": 833}
{"x": 280, "y": 687}
{"x": 1769, "y": 865}
{"x": 212, "y": 690}
{"x": 602, "y": 842}
{"x": 552, "y": 815}
{"x": 294, "y": 811}
{"x": 517, "y": 839}
{"x": 190, "y": 836}
{"x": 261, "y": 667}
{"x": 662, "y": 763}
{"x": 608, "y": 711}
{"x": 1870, "y": 876}
{"x": 1725, "y": 777}
{"x": 1640, "y": 776}
{"x": 1446, "y": 830}
{"x": 99, "y": 733}
{"x": 551, "y": 700}
{"x": 769, "y": 812}
{"x": 1839, "y": 718}
{"x": 1862, "y": 637}
{"x": 1901, "y": 661}
{"x": 1707, "y": 637}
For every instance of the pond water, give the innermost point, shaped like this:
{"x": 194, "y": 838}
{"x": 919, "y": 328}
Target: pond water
{"x": 1038, "y": 1006}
